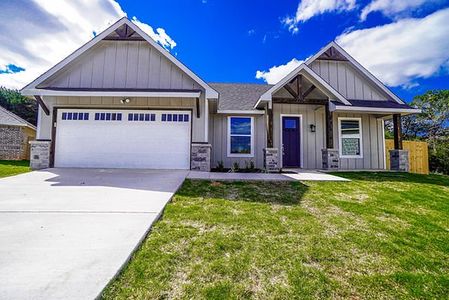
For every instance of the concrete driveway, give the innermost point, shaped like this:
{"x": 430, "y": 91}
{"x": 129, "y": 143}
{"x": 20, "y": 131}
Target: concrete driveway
{"x": 64, "y": 233}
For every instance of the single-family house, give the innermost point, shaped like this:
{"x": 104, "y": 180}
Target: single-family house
{"x": 15, "y": 136}
{"x": 123, "y": 101}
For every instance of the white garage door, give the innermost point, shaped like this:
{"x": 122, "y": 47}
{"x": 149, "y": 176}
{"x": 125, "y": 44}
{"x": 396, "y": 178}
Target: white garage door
{"x": 123, "y": 139}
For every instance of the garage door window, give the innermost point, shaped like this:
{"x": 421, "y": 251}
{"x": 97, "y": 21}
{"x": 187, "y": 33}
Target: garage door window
{"x": 175, "y": 118}
{"x": 75, "y": 116}
{"x": 142, "y": 117}
{"x": 108, "y": 116}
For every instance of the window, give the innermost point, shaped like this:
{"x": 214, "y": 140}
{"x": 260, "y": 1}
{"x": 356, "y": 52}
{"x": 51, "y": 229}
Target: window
{"x": 175, "y": 118}
{"x": 108, "y": 116}
{"x": 350, "y": 132}
{"x": 141, "y": 117}
{"x": 77, "y": 116}
{"x": 240, "y": 137}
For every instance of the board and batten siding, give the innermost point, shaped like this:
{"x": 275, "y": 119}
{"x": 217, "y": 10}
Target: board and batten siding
{"x": 122, "y": 64}
{"x": 372, "y": 142}
{"x": 312, "y": 142}
{"x": 198, "y": 124}
{"x": 218, "y": 128}
{"x": 347, "y": 80}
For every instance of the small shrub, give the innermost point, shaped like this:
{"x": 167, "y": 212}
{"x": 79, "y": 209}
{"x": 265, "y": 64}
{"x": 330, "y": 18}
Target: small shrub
{"x": 235, "y": 167}
{"x": 220, "y": 166}
{"x": 252, "y": 166}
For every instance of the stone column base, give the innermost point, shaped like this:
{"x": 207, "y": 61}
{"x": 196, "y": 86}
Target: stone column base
{"x": 40, "y": 155}
{"x": 200, "y": 157}
{"x": 271, "y": 159}
{"x": 399, "y": 160}
{"x": 331, "y": 159}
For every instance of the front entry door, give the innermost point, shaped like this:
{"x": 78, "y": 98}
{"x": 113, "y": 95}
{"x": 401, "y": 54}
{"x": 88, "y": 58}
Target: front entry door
{"x": 291, "y": 136}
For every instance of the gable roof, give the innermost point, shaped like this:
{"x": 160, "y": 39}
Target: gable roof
{"x": 239, "y": 96}
{"x": 11, "y": 119}
{"x": 344, "y": 55}
{"x": 31, "y": 88}
{"x": 312, "y": 76}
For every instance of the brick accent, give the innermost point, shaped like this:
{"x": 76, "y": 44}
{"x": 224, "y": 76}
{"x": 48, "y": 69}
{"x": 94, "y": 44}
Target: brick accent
{"x": 12, "y": 146}
{"x": 200, "y": 157}
{"x": 399, "y": 160}
{"x": 40, "y": 155}
{"x": 271, "y": 160}
{"x": 331, "y": 159}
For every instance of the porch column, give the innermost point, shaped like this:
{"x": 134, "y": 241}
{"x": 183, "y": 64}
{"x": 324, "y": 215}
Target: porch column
{"x": 397, "y": 131}
{"x": 330, "y": 156}
{"x": 329, "y": 127}
{"x": 269, "y": 127}
{"x": 399, "y": 159}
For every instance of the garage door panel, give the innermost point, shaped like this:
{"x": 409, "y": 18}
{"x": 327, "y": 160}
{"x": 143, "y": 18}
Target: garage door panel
{"x": 122, "y": 143}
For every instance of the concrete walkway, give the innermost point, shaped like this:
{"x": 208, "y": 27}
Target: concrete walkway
{"x": 302, "y": 175}
{"x": 64, "y": 233}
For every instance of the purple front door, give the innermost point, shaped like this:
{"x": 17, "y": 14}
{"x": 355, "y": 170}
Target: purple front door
{"x": 291, "y": 142}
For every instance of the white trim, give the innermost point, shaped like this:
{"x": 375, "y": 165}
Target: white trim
{"x": 334, "y": 107}
{"x": 301, "y": 139}
{"x": 228, "y": 137}
{"x": 248, "y": 112}
{"x": 44, "y": 92}
{"x": 360, "y": 136}
{"x": 206, "y": 120}
{"x": 267, "y": 96}
{"x": 210, "y": 92}
{"x": 362, "y": 69}
{"x": 383, "y": 143}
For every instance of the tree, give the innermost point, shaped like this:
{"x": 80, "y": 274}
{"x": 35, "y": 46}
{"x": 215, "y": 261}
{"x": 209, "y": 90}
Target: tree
{"x": 22, "y": 106}
{"x": 432, "y": 126}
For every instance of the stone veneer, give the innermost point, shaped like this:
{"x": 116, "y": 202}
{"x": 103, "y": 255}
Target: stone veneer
{"x": 271, "y": 159}
{"x": 200, "y": 157}
{"x": 11, "y": 143}
{"x": 330, "y": 159}
{"x": 399, "y": 160}
{"x": 40, "y": 154}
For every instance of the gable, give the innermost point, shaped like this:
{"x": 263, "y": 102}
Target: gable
{"x": 348, "y": 76}
{"x": 127, "y": 64}
{"x": 347, "y": 80}
{"x": 121, "y": 57}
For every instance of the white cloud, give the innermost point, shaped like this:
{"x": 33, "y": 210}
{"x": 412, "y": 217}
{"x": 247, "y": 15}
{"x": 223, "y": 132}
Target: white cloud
{"x": 401, "y": 52}
{"x": 38, "y": 34}
{"x": 276, "y": 73}
{"x": 310, "y": 8}
{"x": 393, "y": 8}
{"x": 161, "y": 36}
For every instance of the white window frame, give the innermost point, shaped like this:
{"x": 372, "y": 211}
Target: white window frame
{"x": 229, "y": 154}
{"x": 359, "y": 136}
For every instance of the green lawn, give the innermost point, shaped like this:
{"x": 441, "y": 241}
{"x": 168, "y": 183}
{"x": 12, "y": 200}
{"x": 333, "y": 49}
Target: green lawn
{"x": 380, "y": 236}
{"x": 13, "y": 167}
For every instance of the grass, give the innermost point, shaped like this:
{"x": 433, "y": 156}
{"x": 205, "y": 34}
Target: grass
{"x": 13, "y": 167}
{"x": 380, "y": 236}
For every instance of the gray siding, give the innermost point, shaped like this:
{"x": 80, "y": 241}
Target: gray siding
{"x": 113, "y": 64}
{"x": 313, "y": 142}
{"x": 219, "y": 134}
{"x": 198, "y": 124}
{"x": 372, "y": 142}
{"x": 347, "y": 80}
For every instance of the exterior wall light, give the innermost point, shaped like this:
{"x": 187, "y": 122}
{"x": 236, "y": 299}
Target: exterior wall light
{"x": 312, "y": 128}
{"x": 125, "y": 101}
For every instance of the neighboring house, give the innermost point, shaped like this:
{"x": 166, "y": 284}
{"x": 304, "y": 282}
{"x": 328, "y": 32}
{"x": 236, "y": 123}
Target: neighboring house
{"x": 122, "y": 101}
{"x": 15, "y": 135}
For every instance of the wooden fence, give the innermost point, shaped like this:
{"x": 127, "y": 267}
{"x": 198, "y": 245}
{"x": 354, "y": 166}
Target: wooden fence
{"x": 418, "y": 155}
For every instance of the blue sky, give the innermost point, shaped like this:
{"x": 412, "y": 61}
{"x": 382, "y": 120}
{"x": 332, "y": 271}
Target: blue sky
{"x": 403, "y": 43}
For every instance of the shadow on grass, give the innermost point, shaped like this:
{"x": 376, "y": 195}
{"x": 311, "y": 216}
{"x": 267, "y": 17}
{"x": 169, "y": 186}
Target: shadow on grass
{"x": 442, "y": 180}
{"x": 273, "y": 192}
